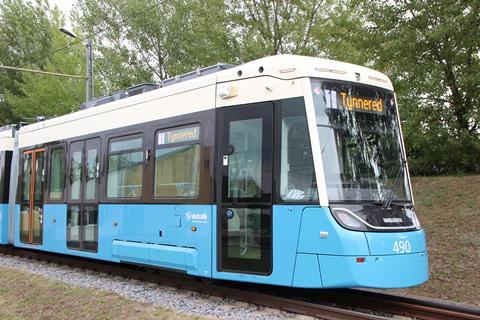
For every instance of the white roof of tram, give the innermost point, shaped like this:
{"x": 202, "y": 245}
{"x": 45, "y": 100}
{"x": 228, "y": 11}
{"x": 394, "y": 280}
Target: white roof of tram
{"x": 198, "y": 94}
{"x": 6, "y": 139}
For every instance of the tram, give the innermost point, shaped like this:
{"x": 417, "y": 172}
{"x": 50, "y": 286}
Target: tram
{"x": 287, "y": 170}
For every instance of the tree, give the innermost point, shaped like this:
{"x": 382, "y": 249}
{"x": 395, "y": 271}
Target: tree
{"x": 270, "y": 27}
{"x": 30, "y": 38}
{"x": 46, "y": 95}
{"x": 144, "y": 41}
{"x": 24, "y": 39}
{"x": 431, "y": 50}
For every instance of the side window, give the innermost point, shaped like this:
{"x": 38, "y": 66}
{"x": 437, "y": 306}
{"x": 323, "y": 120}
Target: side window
{"x": 125, "y": 167}
{"x": 56, "y": 179}
{"x": 177, "y": 162}
{"x": 297, "y": 174}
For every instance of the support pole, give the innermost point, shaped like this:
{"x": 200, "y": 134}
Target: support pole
{"x": 89, "y": 84}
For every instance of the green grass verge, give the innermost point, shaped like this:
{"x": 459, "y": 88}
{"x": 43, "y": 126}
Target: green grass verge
{"x": 449, "y": 210}
{"x": 28, "y": 296}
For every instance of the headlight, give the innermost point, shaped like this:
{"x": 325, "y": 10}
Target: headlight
{"x": 348, "y": 219}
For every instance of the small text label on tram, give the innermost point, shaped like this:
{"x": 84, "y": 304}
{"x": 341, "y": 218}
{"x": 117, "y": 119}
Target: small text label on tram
{"x": 196, "y": 217}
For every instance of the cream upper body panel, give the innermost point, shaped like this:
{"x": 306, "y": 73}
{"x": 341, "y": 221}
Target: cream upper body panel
{"x": 6, "y": 140}
{"x": 167, "y": 102}
{"x": 266, "y": 79}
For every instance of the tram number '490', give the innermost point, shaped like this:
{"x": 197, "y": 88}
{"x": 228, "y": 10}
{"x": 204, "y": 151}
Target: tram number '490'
{"x": 402, "y": 247}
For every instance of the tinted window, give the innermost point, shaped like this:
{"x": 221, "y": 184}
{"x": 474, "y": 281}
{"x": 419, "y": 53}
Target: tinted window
{"x": 297, "y": 174}
{"x": 177, "y": 163}
{"x": 57, "y": 174}
{"x": 125, "y": 168}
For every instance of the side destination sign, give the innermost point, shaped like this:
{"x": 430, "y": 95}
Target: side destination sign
{"x": 179, "y": 135}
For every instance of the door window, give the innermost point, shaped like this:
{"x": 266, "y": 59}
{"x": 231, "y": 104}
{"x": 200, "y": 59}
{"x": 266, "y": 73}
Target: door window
{"x": 76, "y": 150}
{"x": 91, "y": 171}
{"x": 245, "y": 159}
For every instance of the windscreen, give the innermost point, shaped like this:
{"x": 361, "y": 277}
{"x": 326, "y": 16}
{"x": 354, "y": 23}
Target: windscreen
{"x": 360, "y": 142}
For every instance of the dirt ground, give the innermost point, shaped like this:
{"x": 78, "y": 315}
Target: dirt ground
{"x": 28, "y": 296}
{"x": 448, "y": 208}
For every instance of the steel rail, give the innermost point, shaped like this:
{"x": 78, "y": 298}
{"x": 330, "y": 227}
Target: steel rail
{"x": 420, "y": 308}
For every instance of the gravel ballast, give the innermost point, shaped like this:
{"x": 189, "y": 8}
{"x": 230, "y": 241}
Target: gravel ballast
{"x": 178, "y": 300}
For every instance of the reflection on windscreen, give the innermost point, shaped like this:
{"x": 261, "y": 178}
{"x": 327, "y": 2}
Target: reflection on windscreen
{"x": 360, "y": 141}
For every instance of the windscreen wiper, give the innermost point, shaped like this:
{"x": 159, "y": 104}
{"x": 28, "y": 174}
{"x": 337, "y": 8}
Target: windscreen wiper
{"x": 388, "y": 200}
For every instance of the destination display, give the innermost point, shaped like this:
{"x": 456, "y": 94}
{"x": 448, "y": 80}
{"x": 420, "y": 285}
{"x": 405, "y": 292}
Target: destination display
{"x": 352, "y": 98}
{"x": 179, "y": 135}
{"x": 361, "y": 103}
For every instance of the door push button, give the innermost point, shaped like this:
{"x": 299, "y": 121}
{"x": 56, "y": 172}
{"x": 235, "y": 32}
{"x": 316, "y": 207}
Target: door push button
{"x": 225, "y": 160}
{"x": 229, "y": 214}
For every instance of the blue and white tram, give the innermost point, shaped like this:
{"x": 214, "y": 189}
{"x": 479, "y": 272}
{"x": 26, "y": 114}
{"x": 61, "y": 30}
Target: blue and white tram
{"x": 6, "y": 150}
{"x": 286, "y": 170}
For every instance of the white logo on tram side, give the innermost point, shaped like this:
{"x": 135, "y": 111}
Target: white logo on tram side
{"x": 196, "y": 217}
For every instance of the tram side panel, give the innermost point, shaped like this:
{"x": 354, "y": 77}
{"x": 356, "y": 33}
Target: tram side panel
{"x": 138, "y": 231}
{"x": 5, "y": 160}
{"x": 167, "y": 236}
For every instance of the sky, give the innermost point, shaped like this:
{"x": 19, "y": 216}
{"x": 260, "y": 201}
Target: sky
{"x": 64, "y": 6}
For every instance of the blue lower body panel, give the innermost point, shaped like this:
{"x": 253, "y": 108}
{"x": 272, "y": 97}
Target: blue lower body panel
{"x": 3, "y": 223}
{"x": 172, "y": 257}
{"x": 166, "y": 236}
{"x": 392, "y": 271}
{"x": 307, "y": 272}
{"x": 309, "y": 248}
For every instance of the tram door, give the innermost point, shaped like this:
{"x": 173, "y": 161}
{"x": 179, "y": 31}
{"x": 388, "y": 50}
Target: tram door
{"x": 31, "y": 210}
{"x": 82, "y": 209}
{"x": 244, "y": 189}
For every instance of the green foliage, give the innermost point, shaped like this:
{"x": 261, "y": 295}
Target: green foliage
{"x": 430, "y": 49}
{"x": 20, "y": 42}
{"x": 144, "y": 41}
{"x": 28, "y": 35}
{"x": 273, "y": 27}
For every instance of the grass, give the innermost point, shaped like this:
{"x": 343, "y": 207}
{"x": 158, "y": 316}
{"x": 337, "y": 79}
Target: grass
{"x": 449, "y": 210}
{"x": 28, "y": 296}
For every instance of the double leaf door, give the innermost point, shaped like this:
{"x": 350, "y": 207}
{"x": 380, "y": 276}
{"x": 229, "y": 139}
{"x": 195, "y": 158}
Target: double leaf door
{"x": 31, "y": 204}
{"x": 82, "y": 210}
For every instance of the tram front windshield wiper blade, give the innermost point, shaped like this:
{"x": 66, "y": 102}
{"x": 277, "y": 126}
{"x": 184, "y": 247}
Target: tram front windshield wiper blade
{"x": 388, "y": 199}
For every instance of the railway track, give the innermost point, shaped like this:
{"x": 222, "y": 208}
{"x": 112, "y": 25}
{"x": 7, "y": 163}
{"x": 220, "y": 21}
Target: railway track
{"x": 323, "y": 304}
{"x": 406, "y": 306}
